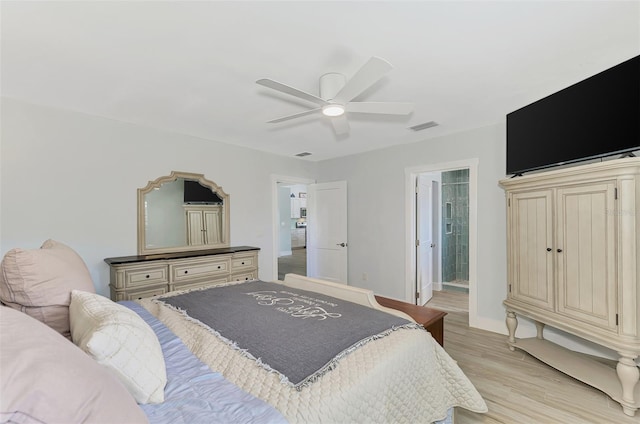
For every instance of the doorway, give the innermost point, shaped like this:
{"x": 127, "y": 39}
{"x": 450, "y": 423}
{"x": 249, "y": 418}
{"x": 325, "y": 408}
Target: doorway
{"x": 292, "y": 231}
{"x": 445, "y": 253}
{"x": 454, "y": 249}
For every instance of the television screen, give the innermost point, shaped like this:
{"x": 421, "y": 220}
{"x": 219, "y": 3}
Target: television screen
{"x": 596, "y": 117}
{"x": 194, "y": 192}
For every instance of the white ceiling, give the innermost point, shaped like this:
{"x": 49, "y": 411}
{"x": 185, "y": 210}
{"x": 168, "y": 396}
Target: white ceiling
{"x": 191, "y": 67}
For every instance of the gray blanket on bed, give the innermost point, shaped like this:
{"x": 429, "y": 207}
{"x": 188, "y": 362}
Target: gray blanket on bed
{"x": 298, "y": 333}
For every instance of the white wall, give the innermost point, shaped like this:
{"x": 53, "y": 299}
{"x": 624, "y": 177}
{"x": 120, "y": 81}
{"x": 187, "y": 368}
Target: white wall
{"x": 73, "y": 177}
{"x": 377, "y": 210}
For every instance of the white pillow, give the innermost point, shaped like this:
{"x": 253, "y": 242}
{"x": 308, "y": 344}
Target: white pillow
{"x": 119, "y": 339}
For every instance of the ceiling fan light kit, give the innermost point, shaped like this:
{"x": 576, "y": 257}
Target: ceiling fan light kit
{"x": 336, "y": 94}
{"x": 332, "y": 110}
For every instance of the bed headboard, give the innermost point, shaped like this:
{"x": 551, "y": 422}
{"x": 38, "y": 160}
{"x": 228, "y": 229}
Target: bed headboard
{"x": 352, "y": 294}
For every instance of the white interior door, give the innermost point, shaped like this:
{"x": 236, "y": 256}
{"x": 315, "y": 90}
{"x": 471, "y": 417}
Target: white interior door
{"x": 327, "y": 231}
{"x": 425, "y": 236}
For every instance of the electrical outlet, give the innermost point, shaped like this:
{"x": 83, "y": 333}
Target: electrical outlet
{"x": 365, "y": 276}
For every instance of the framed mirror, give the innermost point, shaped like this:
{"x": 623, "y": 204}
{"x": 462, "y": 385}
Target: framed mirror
{"x": 181, "y": 212}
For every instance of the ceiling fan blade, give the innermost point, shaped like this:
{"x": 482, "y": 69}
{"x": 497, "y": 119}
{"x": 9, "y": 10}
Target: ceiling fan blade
{"x": 365, "y": 77}
{"x": 340, "y": 124}
{"x": 278, "y": 86}
{"x": 295, "y": 115}
{"x": 387, "y": 108}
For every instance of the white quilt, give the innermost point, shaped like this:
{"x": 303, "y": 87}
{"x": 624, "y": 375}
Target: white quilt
{"x": 405, "y": 377}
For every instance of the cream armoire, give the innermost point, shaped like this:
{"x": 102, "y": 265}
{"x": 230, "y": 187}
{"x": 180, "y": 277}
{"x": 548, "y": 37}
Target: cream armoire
{"x": 573, "y": 245}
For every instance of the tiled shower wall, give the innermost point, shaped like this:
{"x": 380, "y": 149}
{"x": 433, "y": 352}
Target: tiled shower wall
{"x": 455, "y": 226}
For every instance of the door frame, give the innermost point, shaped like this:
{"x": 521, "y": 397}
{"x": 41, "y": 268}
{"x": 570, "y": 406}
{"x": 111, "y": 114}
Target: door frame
{"x": 275, "y": 221}
{"x": 411, "y": 175}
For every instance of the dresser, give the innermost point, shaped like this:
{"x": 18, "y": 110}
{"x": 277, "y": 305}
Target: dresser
{"x": 573, "y": 248}
{"x": 136, "y": 277}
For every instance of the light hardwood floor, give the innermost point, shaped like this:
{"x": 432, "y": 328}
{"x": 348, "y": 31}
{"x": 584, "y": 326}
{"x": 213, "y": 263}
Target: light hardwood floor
{"x": 517, "y": 387}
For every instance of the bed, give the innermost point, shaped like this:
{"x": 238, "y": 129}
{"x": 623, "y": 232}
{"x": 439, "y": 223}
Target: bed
{"x": 182, "y": 370}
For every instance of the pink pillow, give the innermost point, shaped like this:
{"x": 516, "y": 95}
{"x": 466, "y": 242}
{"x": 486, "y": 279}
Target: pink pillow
{"x": 38, "y": 282}
{"x": 47, "y": 379}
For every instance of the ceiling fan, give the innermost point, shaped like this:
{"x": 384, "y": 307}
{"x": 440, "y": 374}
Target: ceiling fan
{"x": 336, "y": 95}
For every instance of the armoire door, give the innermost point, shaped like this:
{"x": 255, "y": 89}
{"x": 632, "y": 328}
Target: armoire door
{"x": 195, "y": 228}
{"x": 586, "y": 253}
{"x": 530, "y": 248}
{"x": 212, "y": 228}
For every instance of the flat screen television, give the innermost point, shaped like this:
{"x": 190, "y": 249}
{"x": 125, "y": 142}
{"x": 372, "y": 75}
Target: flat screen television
{"x": 195, "y": 193}
{"x": 594, "y": 118}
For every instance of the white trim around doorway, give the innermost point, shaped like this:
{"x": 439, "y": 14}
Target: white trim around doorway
{"x": 411, "y": 174}
{"x": 275, "y": 222}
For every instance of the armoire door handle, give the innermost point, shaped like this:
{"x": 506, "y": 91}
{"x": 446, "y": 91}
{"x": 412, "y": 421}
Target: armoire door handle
{"x": 559, "y": 250}
{"x": 549, "y": 249}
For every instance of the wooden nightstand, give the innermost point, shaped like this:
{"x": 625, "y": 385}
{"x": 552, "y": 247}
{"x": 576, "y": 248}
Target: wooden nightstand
{"x": 431, "y": 319}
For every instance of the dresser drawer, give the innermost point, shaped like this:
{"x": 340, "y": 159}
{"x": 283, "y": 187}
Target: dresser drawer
{"x": 137, "y": 294}
{"x": 132, "y": 276}
{"x": 192, "y": 270}
{"x": 242, "y": 261}
{"x": 200, "y": 285}
{"x": 245, "y": 276}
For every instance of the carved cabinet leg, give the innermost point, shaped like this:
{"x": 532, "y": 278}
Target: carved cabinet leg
{"x": 512, "y": 324}
{"x": 539, "y": 330}
{"x": 629, "y": 376}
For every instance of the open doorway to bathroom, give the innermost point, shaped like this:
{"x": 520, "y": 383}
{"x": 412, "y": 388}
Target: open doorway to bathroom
{"x": 442, "y": 230}
{"x": 442, "y": 234}
{"x": 454, "y": 250}
{"x": 292, "y": 229}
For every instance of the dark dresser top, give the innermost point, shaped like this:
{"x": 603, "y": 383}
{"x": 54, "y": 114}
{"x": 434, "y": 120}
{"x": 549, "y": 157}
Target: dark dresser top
{"x": 177, "y": 255}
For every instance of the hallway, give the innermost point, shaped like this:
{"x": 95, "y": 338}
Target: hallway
{"x": 295, "y": 263}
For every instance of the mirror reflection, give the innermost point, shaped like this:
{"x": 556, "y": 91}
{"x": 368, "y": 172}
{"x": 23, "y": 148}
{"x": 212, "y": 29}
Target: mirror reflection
{"x": 182, "y": 212}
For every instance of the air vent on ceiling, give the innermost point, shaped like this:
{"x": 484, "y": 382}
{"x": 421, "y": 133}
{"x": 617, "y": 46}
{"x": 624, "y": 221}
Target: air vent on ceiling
{"x": 303, "y": 154}
{"x": 424, "y": 126}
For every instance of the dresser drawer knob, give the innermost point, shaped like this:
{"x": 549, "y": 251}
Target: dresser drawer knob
{"x": 242, "y": 263}
{"x": 218, "y": 266}
{"x": 186, "y": 272}
{"x": 147, "y": 276}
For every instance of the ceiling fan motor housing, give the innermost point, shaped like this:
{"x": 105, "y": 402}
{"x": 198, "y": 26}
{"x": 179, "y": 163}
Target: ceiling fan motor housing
{"x": 330, "y": 84}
